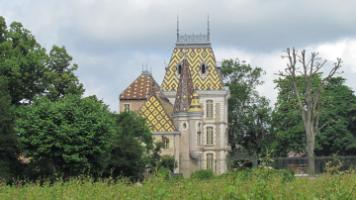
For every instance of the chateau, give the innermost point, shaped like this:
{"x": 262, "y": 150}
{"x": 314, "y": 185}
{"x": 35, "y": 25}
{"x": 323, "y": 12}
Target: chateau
{"x": 188, "y": 111}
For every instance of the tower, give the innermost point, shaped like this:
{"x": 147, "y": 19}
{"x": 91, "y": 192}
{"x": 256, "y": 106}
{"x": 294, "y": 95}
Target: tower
{"x": 192, "y": 79}
{"x": 188, "y": 112}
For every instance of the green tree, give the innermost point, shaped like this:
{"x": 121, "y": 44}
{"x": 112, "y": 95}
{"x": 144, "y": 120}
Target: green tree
{"x": 9, "y": 151}
{"x": 335, "y": 134}
{"x": 61, "y": 77}
{"x": 352, "y": 119}
{"x": 131, "y": 147}
{"x": 308, "y": 98}
{"x": 66, "y": 137}
{"x": 249, "y": 113}
{"x": 22, "y": 61}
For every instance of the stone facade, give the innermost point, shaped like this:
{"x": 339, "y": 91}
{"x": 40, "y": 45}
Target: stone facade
{"x": 188, "y": 112}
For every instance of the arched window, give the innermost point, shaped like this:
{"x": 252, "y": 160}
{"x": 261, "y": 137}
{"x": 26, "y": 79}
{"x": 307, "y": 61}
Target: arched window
{"x": 199, "y": 138}
{"x": 179, "y": 69}
{"x": 165, "y": 142}
{"x": 209, "y": 109}
{"x": 210, "y": 161}
{"x": 209, "y": 136}
{"x": 203, "y": 68}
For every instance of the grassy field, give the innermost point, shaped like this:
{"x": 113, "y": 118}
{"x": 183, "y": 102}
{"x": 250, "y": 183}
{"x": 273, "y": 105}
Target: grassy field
{"x": 256, "y": 184}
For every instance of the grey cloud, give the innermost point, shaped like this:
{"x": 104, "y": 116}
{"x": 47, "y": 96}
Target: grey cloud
{"x": 110, "y": 39}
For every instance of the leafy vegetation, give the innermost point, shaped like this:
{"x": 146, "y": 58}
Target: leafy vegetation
{"x": 336, "y": 133}
{"x": 249, "y": 113}
{"x": 248, "y": 184}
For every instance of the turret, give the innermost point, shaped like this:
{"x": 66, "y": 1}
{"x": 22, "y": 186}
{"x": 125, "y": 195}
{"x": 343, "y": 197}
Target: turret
{"x": 195, "y": 124}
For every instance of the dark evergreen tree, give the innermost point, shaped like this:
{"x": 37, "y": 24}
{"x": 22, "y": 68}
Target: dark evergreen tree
{"x": 9, "y": 151}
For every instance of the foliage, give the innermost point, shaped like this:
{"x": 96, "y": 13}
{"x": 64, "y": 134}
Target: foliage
{"x": 167, "y": 162}
{"x": 202, "y": 174}
{"x": 336, "y": 133}
{"x": 65, "y": 138}
{"x": 249, "y": 113}
{"x": 9, "y": 150}
{"x": 22, "y": 61}
{"x": 60, "y": 74}
{"x": 131, "y": 147}
{"x": 309, "y": 97}
{"x": 333, "y": 166}
{"x": 228, "y": 186}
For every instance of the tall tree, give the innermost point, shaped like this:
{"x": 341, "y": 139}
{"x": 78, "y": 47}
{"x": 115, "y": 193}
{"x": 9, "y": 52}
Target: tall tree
{"x": 131, "y": 147}
{"x": 249, "y": 113}
{"x": 61, "y": 77}
{"x": 22, "y": 61}
{"x": 66, "y": 137}
{"x": 335, "y": 135}
{"x": 9, "y": 151}
{"x": 308, "y": 100}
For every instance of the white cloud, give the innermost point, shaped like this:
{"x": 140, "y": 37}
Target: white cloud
{"x": 272, "y": 62}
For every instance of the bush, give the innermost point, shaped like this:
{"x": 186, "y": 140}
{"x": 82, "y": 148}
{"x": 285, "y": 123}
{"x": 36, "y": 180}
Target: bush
{"x": 167, "y": 162}
{"x": 202, "y": 174}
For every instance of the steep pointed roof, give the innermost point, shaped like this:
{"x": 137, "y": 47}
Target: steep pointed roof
{"x": 142, "y": 88}
{"x": 157, "y": 112}
{"x": 185, "y": 89}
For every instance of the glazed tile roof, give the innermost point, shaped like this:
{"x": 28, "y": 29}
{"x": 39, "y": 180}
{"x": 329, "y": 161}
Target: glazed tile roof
{"x": 157, "y": 112}
{"x": 196, "y": 56}
{"x": 141, "y": 88}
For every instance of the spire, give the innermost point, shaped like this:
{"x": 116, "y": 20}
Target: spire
{"x": 208, "y": 28}
{"x": 177, "y": 28}
{"x": 185, "y": 89}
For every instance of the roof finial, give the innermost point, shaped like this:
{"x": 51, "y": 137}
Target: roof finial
{"x": 177, "y": 28}
{"x": 208, "y": 28}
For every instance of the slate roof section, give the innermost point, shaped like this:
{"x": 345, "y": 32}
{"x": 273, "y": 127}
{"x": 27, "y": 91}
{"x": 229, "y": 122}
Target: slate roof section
{"x": 142, "y": 88}
{"x": 185, "y": 89}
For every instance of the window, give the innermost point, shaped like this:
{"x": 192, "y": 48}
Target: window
{"x": 209, "y": 109}
{"x": 210, "y": 161}
{"x": 126, "y": 107}
{"x": 165, "y": 142}
{"x": 179, "y": 69}
{"x": 184, "y": 125}
{"x": 203, "y": 69}
{"x": 209, "y": 136}
{"x": 199, "y": 137}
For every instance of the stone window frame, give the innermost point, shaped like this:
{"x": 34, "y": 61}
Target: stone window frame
{"x": 209, "y": 112}
{"x": 209, "y": 139}
{"x": 127, "y": 107}
{"x": 165, "y": 141}
{"x": 211, "y": 163}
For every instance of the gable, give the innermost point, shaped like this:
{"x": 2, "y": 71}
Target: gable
{"x": 157, "y": 113}
{"x": 196, "y": 57}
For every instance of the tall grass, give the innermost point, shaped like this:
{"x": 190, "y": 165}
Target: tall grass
{"x": 248, "y": 184}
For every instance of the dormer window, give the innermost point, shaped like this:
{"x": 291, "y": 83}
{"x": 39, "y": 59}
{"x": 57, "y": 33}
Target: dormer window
{"x": 179, "y": 69}
{"x": 203, "y": 69}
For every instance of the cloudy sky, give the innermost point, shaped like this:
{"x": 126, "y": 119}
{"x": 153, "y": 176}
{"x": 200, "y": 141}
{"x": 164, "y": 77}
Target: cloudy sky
{"x": 111, "y": 40}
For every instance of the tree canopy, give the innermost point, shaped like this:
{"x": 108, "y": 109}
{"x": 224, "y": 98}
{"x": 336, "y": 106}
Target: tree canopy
{"x": 336, "y": 134}
{"x": 66, "y": 137}
{"x": 249, "y": 113}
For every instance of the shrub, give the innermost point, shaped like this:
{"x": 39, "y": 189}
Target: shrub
{"x": 167, "y": 162}
{"x": 202, "y": 174}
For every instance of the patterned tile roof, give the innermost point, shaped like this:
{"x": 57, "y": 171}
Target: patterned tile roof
{"x": 185, "y": 89}
{"x": 196, "y": 56}
{"x": 157, "y": 112}
{"x": 141, "y": 88}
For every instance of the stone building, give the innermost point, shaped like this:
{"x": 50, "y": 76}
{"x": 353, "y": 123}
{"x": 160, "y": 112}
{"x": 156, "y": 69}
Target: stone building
{"x": 188, "y": 111}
